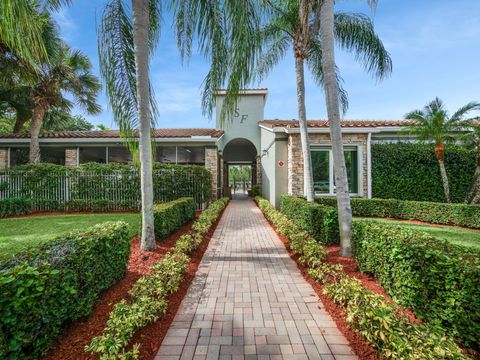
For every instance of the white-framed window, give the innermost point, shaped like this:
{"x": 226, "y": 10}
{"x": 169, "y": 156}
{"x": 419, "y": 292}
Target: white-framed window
{"x": 323, "y": 174}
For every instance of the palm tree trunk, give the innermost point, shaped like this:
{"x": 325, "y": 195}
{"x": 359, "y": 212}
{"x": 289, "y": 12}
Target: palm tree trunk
{"x": 22, "y": 118}
{"x": 440, "y": 155}
{"x": 140, "y": 41}
{"x": 475, "y": 187}
{"x": 302, "y": 120}
{"x": 37, "y": 119}
{"x": 331, "y": 94}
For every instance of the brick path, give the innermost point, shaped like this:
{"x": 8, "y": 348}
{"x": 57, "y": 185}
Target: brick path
{"x": 249, "y": 300}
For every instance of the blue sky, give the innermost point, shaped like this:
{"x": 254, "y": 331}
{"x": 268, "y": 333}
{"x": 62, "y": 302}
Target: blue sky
{"x": 434, "y": 45}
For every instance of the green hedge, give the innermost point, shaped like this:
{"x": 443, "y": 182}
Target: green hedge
{"x": 319, "y": 221}
{"x": 148, "y": 296}
{"x": 379, "y": 321}
{"x": 439, "y": 281}
{"x": 410, "y": 172}
{"x": 58, "y": 282}
{"x": 15, "y": 206}
{"x": 102, "y": 187}
{"x": 170, "y": 216}
{"x": 435, "y": 213}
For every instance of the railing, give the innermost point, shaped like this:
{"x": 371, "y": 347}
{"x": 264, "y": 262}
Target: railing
{"x": 84, "y": 190}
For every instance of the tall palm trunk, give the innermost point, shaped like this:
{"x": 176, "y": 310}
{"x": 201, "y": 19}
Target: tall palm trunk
{"x": 140, "y": 41}
{"x": 331, "y": 94}
{"x": 302, "y": 120}
{"x": 37, "y": 119}
{"x": 474, "y": 190}
{"x": 440, "y": 155}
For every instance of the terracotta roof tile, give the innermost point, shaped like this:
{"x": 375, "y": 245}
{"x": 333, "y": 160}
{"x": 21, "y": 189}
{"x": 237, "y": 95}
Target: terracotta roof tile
{"x": 102, "y": 134}
{"x": 345, "y": 123}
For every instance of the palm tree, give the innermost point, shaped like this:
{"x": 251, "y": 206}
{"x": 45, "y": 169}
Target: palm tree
{"x": 125, "y": 47}
{"x": 471, "y": 139}
{"x": 67, "y": 72}
{"x": 433, "y": 124}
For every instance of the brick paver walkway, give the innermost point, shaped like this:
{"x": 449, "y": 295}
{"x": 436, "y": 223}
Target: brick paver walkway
{"x": 249, "y": 300}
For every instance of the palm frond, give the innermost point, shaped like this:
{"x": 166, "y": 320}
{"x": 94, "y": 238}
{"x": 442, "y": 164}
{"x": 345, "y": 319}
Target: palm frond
{"x": 275, "y": 52}
{"x": 460, "y": 113}
{"x": 117, "y": 67}
{"x": 355, "y": 33}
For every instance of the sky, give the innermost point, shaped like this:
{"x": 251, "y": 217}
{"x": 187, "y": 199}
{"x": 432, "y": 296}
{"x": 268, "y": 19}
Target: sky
{"x": 434, "y": 46}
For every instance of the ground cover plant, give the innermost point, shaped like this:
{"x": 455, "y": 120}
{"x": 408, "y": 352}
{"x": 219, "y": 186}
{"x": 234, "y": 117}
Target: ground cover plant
{"x": 20, "y": 234}
{"x": 378, "y": 320}
{"x": 57, "y": 282}
{"x": 431, "y": 212}
{"x": 147, "y": 301}
{"x": 453, "y": 234}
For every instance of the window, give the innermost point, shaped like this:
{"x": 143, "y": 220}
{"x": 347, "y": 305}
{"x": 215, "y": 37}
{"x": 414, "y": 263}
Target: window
{"x": 19, "y": 156}
{"x": 191, "y": 155}
{"x": 119, "y": 154}
{"x": 323, "y": 173}
{"x": 93, "y": 154}
{"x": 167, "y": 154}
{"x": 52, "y": 155}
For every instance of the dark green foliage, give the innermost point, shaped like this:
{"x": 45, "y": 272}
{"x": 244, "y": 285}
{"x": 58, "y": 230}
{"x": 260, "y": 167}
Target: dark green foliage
{"x": 320, "y": 221}
{"x": 439, "y": 281}
{"x": 431, "y": 212}
{"x": 102, "y": 187}
{"x": 15, "y": 206}
{"x": 170, "y": 216}
{"x": 55, "y": 283}
{"x": 411, "y": 172}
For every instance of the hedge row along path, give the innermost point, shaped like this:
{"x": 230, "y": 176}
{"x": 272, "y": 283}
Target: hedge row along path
{"x": 249, "y": 300}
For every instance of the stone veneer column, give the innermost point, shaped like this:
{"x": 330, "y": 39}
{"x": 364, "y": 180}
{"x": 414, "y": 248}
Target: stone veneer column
{"x": 71, "y": 157}
{"x": 211, "y": 163}
{"x": 3, "y": 159}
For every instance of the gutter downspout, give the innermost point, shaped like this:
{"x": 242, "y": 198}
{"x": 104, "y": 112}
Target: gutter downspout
{"x": 369, "y": 166}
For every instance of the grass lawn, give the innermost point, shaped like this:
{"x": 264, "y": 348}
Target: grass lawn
{"x": 453, "y": 234}
{"x": 18, "y": 234}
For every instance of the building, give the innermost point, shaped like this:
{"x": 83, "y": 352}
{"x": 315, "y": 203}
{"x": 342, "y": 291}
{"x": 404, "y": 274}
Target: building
{"x": 270, "y": 147}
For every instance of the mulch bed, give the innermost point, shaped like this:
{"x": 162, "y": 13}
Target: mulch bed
{"x": 70, "y": 345}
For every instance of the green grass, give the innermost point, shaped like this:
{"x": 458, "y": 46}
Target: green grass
{"x": 453, "y": 234}
{"x": 18, "y": 234}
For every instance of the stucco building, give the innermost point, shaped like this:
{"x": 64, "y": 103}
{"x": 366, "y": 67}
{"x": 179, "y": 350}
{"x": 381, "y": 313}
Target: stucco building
{"x": 270, "y": 147}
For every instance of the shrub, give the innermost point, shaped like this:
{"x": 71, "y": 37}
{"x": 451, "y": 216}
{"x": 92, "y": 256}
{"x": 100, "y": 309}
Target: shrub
{"x": 411, "y": 172}
{"x": 439, "y": 281}
{"x": 57, "y": 282}
{"x": 319, "y": 221}
{"x": 256, "y": 190}
{"x": 15, "y": 206}
{"x": 170, "y": 216}
{"x": 378, "y": 321}
{"x": 435, "y": 213}
{"x": 148, "y": 295}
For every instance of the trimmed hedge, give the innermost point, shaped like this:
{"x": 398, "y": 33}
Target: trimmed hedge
{"x": 148, "y": 295}
{"x": 170, "y": 216}
{"x": 379, "y": 321}
{"x": 15, "y": 206}
{"x": 431, "y": 212}
{"x": 410, "y": 172}
{"x": 57, "y": 282}
{"x": 439, "y": 281}
{"x": 319, "y": 221}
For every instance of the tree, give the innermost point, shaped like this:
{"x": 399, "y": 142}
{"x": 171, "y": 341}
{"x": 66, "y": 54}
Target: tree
{"x": 433, "y": 124}
{"x": 471, "y": 139}
{"x": 58, "y": 119}
{"x": 125, "y": 50}
{"x": 67, "y": 72}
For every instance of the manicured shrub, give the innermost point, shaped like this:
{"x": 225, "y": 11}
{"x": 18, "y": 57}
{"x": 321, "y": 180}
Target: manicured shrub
{"x": 319, "y": 221}
{"x": 148, "y": 295}
{"x": 435, "y": 213}
{"x": 378, "y": 320}
{"x": 170, "y": 216}
{"x": 439, "y": 281}
{"x": 56, "y": 283}
{"x": 411, "y": 172}
{"x": 15, "y": 206}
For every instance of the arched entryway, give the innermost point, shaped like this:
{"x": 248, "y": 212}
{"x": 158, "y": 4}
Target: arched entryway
{"x": 240, "y": 161}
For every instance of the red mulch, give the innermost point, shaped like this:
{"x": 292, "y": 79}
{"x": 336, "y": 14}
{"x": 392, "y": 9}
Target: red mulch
{"x": 70, "y": 345}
